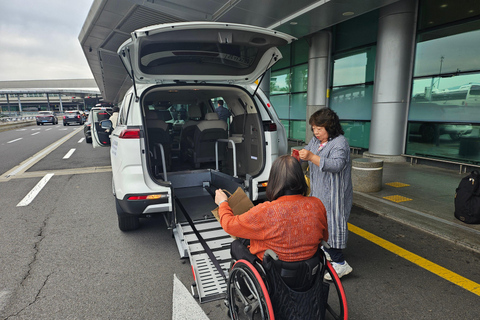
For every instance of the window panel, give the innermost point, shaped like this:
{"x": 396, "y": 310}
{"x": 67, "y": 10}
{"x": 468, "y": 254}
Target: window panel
{"x": 448, "y": 55}
{"x": 298, "y": 111}
{"x": 300, "y": 78}
{"x": 357, "y": 133}
{"x": 281, "y": 104}
{"x": 352, "y": 102}
{"x": 280, "y": 82}
{"x": 446, "y": 99}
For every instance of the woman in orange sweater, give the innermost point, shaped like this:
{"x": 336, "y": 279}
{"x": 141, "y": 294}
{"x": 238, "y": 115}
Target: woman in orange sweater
{"x": 290, "y": 223}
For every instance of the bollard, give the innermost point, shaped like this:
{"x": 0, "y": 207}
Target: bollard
{"x": 367, "y": 174}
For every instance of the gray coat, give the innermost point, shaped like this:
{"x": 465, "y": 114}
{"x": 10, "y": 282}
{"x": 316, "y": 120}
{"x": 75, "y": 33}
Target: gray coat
{"x": 331, "y": 182}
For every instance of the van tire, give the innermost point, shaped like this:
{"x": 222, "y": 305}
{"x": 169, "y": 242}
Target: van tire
{"x": 126, "y": 222}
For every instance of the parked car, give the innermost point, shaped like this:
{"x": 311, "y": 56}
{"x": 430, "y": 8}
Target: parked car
{"x": 73, "y": 117}
{"x": 46, "y": 117}
{"x": 101, "y": 113}
{"x": 189, "y": 66}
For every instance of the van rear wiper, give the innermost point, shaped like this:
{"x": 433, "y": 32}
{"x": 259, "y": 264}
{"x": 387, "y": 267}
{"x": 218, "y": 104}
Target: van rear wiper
{"x": 269, "y": 65}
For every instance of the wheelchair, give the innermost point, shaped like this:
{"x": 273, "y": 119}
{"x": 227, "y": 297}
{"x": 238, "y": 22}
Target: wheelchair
{"x": 284, "y": 290}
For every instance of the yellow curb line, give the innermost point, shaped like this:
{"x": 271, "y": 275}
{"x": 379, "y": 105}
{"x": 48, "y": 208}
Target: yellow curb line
{"x": 422, "y": 262}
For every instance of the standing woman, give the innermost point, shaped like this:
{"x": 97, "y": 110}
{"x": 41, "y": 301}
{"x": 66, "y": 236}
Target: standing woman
{"x": 328, "y": 155}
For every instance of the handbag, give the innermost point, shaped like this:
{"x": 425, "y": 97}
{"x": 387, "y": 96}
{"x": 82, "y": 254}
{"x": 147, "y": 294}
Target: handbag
{"x": 238, "y": 202}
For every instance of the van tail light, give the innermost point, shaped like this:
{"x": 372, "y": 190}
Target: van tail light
{"x": 130, "y": 134}
{"x": 146, "y": 197}
{"x": 269, "y": 126}
{"x": 78, "y": 117}
{"x": 64, "y": 117}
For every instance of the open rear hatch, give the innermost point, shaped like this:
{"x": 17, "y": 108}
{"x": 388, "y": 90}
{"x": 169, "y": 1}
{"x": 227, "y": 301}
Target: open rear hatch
{"x": 201, "y": 51}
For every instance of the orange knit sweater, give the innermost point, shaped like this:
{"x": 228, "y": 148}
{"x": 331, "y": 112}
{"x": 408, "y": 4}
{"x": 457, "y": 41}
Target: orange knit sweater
{"x": 292, "y": 226}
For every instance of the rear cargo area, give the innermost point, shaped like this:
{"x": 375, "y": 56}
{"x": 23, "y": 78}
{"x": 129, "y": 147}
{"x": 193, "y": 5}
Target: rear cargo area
{"x": 184, "y": 133}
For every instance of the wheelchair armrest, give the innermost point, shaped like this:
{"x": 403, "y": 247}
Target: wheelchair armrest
{"x": 271, "y": 254}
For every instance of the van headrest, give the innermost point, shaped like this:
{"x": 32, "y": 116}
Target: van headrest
{"x": 194, "y": 111}
{"x": 211, "y": 116}
{"x": 151, "y": 115}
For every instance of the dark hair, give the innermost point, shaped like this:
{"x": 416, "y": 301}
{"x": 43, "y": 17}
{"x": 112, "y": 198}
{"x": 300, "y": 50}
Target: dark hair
{"x": 328, "y": 119}
{"x": 286, "y": 177}
{"x": 220, "y": 102}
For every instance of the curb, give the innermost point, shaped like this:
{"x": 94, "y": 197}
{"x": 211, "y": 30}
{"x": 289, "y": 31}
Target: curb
{"x": 447, "y": 230}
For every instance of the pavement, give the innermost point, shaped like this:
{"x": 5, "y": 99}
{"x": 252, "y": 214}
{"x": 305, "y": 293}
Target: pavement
{"x": 421, "y": 196}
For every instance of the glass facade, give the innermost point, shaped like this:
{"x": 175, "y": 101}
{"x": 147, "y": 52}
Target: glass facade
{"x": 351, "y": 95}
{"x": 288, "y": 88}
{"x": 444, "y": 114}
{"x": 444, "y": 107}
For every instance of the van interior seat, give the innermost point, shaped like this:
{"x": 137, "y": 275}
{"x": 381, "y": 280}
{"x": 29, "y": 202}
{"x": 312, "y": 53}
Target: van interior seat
{"x": 188, "y": 129}
{"x": 158, "y": 132}
{"x": 206, "y": 134}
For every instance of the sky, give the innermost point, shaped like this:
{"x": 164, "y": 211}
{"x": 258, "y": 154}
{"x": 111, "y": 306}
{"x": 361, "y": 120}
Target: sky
{"x": 39, "y": 39}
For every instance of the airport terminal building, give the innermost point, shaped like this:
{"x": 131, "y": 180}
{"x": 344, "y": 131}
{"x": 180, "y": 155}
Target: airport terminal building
{"x": 26, "y": 97}
{"x": 403, "y": 76}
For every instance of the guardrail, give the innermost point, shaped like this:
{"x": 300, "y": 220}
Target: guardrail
{"x": 16, "y": 119}
{"x": 462, "y": 165}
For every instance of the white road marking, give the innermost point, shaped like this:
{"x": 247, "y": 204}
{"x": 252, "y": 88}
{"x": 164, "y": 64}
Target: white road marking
{"x": 34, "y": 192}
{"x": 48, "y": 129}
{"x": 36, "y": 129}
{"x": 25, "y": 165}
{"x": 20, "y": 129}
{"x": 62, "y": 129}
{"x": 35, "y": 133}
{"x": 81, "y": 140}
{"x": 69, "y": 153}
{"x": 184, "y": 306}
{"x": 14, "y": 140}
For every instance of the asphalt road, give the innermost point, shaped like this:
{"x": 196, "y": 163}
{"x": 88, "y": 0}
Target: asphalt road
{"x": 62, "y": 255}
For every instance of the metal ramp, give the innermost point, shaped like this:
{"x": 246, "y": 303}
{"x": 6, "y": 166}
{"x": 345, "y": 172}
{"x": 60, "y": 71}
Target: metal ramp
{"x": 210, "y": 285}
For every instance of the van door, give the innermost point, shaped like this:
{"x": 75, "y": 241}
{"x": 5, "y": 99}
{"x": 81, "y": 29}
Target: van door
{"x": 100, "y": 136}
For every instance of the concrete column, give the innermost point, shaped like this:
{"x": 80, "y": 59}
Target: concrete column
{"x": 61, "y": 105}
{"x": 19, "y": 103}
{"x": 393, "y": 73}
{"x": 8, "y": 104}
{"x": 318, "y": 75}
{"x": 48, "y": 103}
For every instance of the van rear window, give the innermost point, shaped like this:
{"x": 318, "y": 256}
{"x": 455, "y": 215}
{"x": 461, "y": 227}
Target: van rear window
{"x": 197, "y": 58}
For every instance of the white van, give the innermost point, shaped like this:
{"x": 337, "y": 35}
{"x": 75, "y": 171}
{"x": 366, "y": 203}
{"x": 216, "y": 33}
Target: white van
{"x": 168, "y": 146}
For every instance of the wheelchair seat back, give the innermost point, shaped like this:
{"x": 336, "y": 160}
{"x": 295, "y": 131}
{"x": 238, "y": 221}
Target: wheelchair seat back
{"x": 298, "y": 275}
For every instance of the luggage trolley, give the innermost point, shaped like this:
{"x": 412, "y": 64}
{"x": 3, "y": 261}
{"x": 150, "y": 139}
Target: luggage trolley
{"x": 258, "y": 290}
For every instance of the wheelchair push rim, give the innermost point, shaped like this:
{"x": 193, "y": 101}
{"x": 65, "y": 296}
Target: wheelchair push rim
{"x": 246, "y": 298}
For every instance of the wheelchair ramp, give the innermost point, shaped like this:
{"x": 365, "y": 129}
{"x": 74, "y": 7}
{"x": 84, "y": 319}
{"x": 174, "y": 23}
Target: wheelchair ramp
{"x": 210, "y": 284}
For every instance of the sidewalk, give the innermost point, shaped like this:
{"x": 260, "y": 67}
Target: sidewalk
{"x": 421, "y": 196}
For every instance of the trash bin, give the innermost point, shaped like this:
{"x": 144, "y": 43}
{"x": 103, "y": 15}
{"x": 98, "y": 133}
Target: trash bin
{"x": 367, "y": 174}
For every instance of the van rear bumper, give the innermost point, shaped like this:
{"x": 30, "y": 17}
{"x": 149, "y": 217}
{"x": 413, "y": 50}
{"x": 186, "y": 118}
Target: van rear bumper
{"x": 144, "y": 206}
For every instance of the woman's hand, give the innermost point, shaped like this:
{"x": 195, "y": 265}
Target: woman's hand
{"x": 220, "y": 196}
{"x": 305, "y": 155}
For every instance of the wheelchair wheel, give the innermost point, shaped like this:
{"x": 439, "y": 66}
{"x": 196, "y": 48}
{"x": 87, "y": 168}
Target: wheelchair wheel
{"x": 337, "y": 301}
{"x": 247, "y": 295}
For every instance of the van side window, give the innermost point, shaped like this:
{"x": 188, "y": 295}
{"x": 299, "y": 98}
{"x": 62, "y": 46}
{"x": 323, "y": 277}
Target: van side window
{"x": 122, "y": 119}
